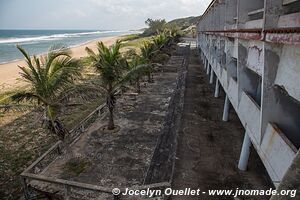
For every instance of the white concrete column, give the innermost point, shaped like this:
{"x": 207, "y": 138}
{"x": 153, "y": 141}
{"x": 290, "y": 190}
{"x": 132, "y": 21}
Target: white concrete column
{"x": 245, "y": 152}
{"x": 217, "y": 88}
{"x": 207, "y": 68}
{"x": 226, "y": 109}
{"x": 211, "y": 79}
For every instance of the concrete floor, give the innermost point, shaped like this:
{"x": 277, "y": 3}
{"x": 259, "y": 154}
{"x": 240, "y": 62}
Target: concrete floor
{"x": 118, "y": 159}
{"x": 208, "y": 148}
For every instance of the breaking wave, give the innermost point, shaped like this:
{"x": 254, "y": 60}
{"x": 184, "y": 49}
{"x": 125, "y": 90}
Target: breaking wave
{"x": 51, "y": 37}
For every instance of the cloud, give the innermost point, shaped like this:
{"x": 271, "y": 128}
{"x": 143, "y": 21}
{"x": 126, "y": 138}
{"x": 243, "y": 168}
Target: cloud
{"x": 94, "y": 14}
{"x": 166, "y": 8}
{"x": 78, "y": 13}
{"x": 73, "y": 13}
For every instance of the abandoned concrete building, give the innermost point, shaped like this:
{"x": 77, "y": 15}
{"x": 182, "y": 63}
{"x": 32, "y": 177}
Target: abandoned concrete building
{"x": 251, "y": 49}
{"x": 247, "y": 51}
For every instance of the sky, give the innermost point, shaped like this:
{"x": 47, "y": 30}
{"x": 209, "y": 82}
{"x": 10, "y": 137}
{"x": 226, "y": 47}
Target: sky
{"x": 93, "y": 14}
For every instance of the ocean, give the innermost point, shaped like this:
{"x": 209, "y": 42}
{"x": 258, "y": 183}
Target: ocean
{"x": 39, "y": 41}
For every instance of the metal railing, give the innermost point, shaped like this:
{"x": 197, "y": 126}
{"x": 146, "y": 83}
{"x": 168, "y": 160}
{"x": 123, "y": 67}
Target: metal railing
{"x": 83, "y": 124}
{"x": 71, "y": 189}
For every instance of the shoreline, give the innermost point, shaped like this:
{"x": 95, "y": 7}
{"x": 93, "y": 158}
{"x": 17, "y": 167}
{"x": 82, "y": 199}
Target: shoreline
{"x": 70, "y": 47}
{"x": 9, "y": 71}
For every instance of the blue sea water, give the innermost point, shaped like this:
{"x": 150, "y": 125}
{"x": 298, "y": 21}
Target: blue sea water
{"x": 39, "y": 41}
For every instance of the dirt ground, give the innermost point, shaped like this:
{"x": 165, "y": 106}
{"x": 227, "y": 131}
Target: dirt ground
{"x": 122, "y": 158}
{"x": 208, "y": 148}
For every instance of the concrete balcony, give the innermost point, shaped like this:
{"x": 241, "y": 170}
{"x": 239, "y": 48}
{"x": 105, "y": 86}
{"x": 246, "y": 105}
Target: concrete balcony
{"x": 276, "y": 152}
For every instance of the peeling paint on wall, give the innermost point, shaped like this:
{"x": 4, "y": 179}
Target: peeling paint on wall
{"x": 255, "y": 57}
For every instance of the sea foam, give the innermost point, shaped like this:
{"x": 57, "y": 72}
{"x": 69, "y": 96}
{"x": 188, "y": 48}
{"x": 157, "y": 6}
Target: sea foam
{"x": 51, "y": 37}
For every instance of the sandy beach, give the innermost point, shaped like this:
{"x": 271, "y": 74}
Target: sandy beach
{"x": 9, "y": 72}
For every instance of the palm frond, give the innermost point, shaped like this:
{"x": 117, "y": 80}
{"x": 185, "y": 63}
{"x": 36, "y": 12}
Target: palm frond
{"x": 91, "y": 54}
{"x": 16, "y": 107}
{"x": 27, "y": 96}
{"x": 137, "y": 71}
{"x": 109, "y": 62}
{"x": 49, "y": 76}
{"x": 82, "y": 91}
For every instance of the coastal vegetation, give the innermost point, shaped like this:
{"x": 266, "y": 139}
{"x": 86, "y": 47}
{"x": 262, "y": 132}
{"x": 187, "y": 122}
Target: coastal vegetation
{"x": 138, "y": 64}
{"x": 51, "y": 79}
{"x": 186, "y": 22}
{"x": 178, "y": 26}
{"x": 58, "y": 95}
{"x": 154, "y": 26}
{"x": 112, "y": 66}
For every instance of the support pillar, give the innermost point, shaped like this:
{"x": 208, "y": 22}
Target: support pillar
{"x": 66, "y": 192}
{"x": 207, "y": 68}
{"x": 211, "y": 79}
{"x": 226, "y": 109}
{"x": 244, "y": 157}
{"x": 25, "y": 188}
{"x": 217, "y": 89}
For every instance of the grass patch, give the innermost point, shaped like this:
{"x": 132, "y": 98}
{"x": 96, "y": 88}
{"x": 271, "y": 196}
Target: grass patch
{"x": 134, "y": 45}
{"x": 23, "y": 139}
{"x": 85, "y": 61}
{"x": 130, "y": 37}
{"x": 76, "y": 166}
{"x": 136, "y": 42}
{"x": 76, "y": 114}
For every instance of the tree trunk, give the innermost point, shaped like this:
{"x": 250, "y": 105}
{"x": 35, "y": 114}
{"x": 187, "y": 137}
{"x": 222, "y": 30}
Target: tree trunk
{"x": 138, "y": 86}
{"x": 58, "y": 129}
{"x": 149, "y": 77}
{"x": 110, "y": 102}
{"x": 53, "y": 124}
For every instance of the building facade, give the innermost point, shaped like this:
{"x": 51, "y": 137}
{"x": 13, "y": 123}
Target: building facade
{"x": 252, "y": 50}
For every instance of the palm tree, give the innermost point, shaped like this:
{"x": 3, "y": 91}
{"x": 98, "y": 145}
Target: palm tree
{"x": 148, "y": 53}
{"x": 141, "y": 68}
{"x": 160, "y": 41}
{"x": 173, "y": 32}
{"x": 112, "y": 67}
{"x": 51, "y": 78}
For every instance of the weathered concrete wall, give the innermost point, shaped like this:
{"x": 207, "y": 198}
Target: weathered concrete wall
{"x": 256, "y": 60}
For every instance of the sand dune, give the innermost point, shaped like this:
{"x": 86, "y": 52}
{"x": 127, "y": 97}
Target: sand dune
{"x": 9, "y": 72}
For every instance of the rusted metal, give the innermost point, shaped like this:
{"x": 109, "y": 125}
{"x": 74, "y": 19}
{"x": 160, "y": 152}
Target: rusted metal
{"x": 233, "y": 31}
{"x": 276, "y": 35}
{"x": 292, "y": 38}
{"x": 246, "y": 36}
{"x": 255, "y": 30}
{"x": 283, "y": 30}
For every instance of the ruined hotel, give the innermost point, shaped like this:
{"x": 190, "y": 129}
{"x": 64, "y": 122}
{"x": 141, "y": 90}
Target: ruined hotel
{"x": 251, "y": 49}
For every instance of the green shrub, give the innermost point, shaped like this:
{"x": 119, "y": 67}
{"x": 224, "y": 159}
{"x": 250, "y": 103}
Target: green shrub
{"x": 76, "y": 166}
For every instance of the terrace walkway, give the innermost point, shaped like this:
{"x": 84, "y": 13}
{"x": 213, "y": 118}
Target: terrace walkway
{"x": 119, "y": 159}
{"x": 208, "y": 148}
